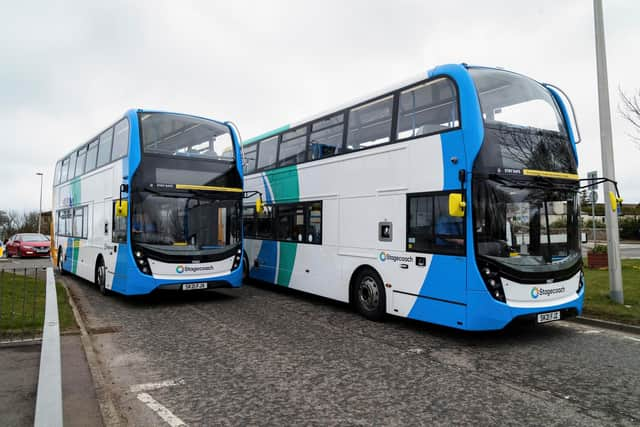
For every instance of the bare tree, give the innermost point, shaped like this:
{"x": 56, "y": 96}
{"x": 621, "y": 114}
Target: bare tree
{"x": 12, "y": 222}
{"x": 630, "y": 109}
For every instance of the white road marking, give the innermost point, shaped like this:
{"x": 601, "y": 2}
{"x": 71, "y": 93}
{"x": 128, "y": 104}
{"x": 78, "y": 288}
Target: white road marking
{"x": 155, "y": 386}
{"x": 592, "y": 331}
{"x": 161, "y": 410}
{"x": 632, "y": 338}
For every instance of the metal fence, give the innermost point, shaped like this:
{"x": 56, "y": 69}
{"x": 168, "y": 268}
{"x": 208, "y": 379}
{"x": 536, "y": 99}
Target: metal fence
{"x": 22, "y": 304}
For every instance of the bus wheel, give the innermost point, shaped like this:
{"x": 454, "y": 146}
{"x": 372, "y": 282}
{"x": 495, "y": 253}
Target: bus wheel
{"x": 245, "y": 268}
{"x": 60, "y": 269}
{"x": 369, "y": 295}
{"x": 101, "y": 277}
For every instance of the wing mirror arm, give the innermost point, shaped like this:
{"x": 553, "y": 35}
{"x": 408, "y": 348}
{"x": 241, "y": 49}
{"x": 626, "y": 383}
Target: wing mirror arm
{"x": 122, "y": 206}
{"x": 614, "y": 199}
{"x": 259, "y": 202}
{"x": 457, "y": 203}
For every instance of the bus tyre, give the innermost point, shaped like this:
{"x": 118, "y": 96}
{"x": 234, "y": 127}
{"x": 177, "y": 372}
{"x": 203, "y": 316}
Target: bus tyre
{"x": 60, "y": 269}
{"x": 369, "y": 295}
{"x": 101, "y": 277}
{"x": 245, "y": 268}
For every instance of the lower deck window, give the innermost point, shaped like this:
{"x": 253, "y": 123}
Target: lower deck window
{"x": 291, "y": 222}
{"x": 430, "y": 228}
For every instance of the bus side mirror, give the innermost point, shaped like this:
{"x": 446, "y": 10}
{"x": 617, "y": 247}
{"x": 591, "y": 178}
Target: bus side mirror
{"x": 456, "y": 205}
{"x": 259, "y": 205}
{"x": 122, "y": 208}
{"x": 614, "y": 201}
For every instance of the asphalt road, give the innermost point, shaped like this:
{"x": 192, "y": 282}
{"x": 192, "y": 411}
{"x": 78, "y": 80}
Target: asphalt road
{"x": 262, "y": 355}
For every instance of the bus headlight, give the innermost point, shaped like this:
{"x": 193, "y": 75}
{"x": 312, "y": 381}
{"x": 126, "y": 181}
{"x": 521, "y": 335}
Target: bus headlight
{"x": 236, "y": 260}
{"x": 581, "y": 283}
{"x": 142, "y": 262}
{"x": 493, "y": 283}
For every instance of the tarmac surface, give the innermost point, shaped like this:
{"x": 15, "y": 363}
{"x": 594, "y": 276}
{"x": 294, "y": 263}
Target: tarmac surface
{"x": 263, "y": 355}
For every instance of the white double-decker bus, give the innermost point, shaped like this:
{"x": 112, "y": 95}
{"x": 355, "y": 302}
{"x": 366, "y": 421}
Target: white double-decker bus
{"x": 449, "y": 198}
{"x": 153, "y": 201}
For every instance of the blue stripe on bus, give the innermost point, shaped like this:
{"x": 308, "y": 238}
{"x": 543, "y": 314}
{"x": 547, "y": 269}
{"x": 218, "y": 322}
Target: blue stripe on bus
{"x": 438, "y": 284}
{"x": 267, "y": 193}
{"x": 267, "y": 258}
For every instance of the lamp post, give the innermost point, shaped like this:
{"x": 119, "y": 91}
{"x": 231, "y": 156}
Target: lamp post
{"x": 40, "y": 214}
{"x": 608, "y": 167}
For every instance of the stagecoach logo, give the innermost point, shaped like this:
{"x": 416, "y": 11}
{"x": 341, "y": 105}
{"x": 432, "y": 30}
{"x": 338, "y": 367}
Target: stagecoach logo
{"x": 536, "y": 292}
{"x": 189, "y": 269}
{"x": 384, "y": 256}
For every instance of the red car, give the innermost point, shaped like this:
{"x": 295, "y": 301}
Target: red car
{"x": 28, "y": 244}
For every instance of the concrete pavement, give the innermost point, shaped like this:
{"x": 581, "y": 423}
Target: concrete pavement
{"x": 19, "y": 367}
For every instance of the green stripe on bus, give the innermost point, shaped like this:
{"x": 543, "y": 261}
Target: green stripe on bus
{"x": 287, "y": 260}
{"x": 74, "y": 255}
{"x": 285, "y": 189}
{"x": 284, "y": 184}
{"x": 265, "y": 135}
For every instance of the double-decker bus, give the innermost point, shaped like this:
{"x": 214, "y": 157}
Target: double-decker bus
{"x": 450, "y": 198}
{"x": 152, "y": 202}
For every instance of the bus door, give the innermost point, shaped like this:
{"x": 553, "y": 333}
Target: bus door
{"x": 119, "y": 241}
{"x": 438, "y": 240}
{"x": 109, "y": 253}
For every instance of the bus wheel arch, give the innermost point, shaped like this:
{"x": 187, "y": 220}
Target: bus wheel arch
{"x": 367, "y": 292}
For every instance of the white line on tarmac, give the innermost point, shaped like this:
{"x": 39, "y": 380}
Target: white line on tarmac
{"x": 155, "y": 386}
{"x": 161, "y": 410}
{"x": 632, "y": 338}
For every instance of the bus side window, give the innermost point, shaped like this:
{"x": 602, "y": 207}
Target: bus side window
{"x": 268, "y": 153}
{"x": 119, "y": 229}
{"x": 370, "y": 124}
{"x": 249, "y": 222}
{"x": 250, "y": 154}
{"x": 314, "y": 222}
{"x": 428, "y": 108}
{"x": 264, "y": 224}
{"x": 430, "y": 228}
{"x": 326, "y": 137}
{"x": 120, "y": 139}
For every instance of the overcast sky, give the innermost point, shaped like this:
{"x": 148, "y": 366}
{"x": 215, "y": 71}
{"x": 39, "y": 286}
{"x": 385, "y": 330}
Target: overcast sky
{"x": 68, "y": 69}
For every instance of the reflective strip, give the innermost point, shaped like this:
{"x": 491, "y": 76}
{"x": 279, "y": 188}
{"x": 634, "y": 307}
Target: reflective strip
{"x": 208, "y": 188}
{"x": 549, "y": 174}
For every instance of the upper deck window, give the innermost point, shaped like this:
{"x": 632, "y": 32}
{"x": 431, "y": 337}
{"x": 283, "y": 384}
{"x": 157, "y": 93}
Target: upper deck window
{"x": 120, "y": 139}
{"x": 104, "y": 151}
{"x": 268, "y": 152}
{"x": 250, "y": 153}
{"x": 185, "y": 136}
{"x": 509, "y": 99}
{"x": 370, "y": 124}
{"x": 428, "y": 108}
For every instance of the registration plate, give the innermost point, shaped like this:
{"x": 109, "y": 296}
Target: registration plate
{"x": 548, "y": 317}
{"x": 192, "y": 286}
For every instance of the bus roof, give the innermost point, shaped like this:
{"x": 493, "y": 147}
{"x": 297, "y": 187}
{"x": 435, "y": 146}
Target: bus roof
{"x": 127, "y": 114}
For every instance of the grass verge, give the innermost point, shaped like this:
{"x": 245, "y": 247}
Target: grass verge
{"x": 22, "y": 304}
{"x": 597, "y": 302}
